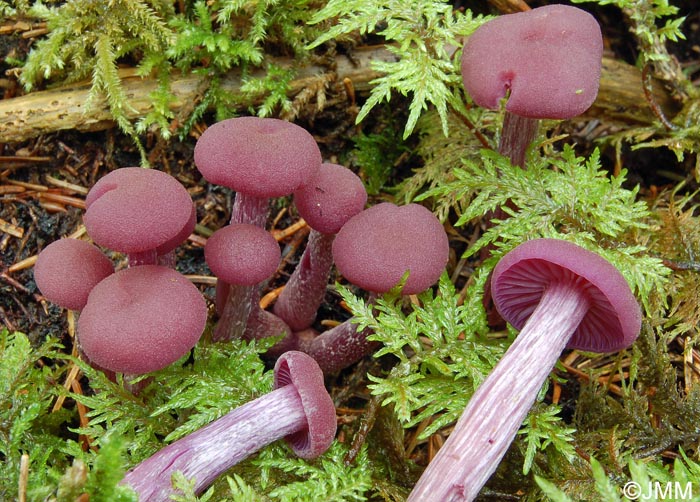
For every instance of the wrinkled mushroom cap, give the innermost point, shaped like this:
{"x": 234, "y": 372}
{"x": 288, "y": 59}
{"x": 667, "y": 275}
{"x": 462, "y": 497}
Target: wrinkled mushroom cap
{"x": 613, "y": 320}
{"x": 376, "y": 247}
{"x": 548, "y": 58}
{"x": 331, "y": 198}
{"x": 67, "y": 270}
{"x": 242, "y": 254}
{"x": 301, "y": 370}
{"x": 133, "y": 210}
{"x": 141, "y": 319}
{"x": 263, "y": 157}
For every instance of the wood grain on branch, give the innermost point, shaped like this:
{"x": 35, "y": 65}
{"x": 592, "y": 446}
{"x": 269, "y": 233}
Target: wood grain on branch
{"x": 621, "y": 97}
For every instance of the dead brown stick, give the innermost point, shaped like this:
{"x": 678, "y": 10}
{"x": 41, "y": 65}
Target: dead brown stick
{"x": 621, "y": 98}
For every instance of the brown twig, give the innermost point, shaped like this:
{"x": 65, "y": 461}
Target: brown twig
{"x": 366, "y": 424}
{"x": 647, "y": 83}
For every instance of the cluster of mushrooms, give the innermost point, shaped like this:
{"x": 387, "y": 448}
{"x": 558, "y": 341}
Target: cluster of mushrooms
{"x": 146, "y": 316}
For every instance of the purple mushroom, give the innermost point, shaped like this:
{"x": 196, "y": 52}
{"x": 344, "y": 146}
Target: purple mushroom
{"x": 258, "y": 158}
{"x": 142, "y": 212}
{"x": 141, "y": 319}
{"x": 242, "y": 256}
{"x": 545, "y": 61}
{"x": 326, "y": 203}
{"x": 299, "y": 410}
{"x": 67, "y": 270}
{"x": 558, "y": 295}
{"x": 374, "y": 250}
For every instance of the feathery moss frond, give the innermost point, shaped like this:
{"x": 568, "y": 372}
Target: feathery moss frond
{"x": 423, "y": 35}
{"x": 566, "y": 197}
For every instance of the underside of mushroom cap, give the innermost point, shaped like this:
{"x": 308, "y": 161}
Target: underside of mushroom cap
{"x": 548, "y": 60}
{"x": 376, "y": 247}
{"x": 301, "y": 370}
{"x": 133, "y": 209}
{"x": 263, "y": 157}
{"x": 67, "y": 270}
{"x": 520, "y": 278}
{"x": 331, "y": 198}
{"x": 141, "y": 319}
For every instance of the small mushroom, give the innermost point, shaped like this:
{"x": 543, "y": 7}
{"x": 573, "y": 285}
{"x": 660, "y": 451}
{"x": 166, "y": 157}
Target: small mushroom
{"x": 546, "y": 61}
{"x": 141, "y": 319}
{"x": 67, "y": 270}
{"x": 299, "y": 410}
{"x": 242, "y": 256}
{"x": 142, "y": 212}
{"x": 326, "y": 203}
{"x": 374, "y": 250}
{"x": 559, "y": 295}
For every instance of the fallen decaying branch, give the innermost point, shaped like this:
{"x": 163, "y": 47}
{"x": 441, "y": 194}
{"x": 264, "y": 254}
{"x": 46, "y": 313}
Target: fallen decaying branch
{"x": 621, "y": 98}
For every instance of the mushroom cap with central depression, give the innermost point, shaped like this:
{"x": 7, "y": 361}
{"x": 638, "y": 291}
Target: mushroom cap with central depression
{"x": 133, "y": 210}
{"x": 547, "y": 61}
{"x": 262, "y": 157}
{"x": 141, "y": 319}
{"x": 613, "y": 320}
{"x": 376, "y": 247}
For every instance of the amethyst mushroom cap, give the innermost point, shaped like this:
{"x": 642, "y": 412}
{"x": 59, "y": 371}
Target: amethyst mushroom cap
{"x": 547, "y": 61}
{"x": 264, "y": 157}
{"x": 142, "y": 212}
{"x": 299, "y": 410}
{"x": 67, "y": 269}
{"x": 242, "y": 254}
{"x": 560, "y": 295}
{"x": 258, "y": 158}
{"x": 522, "y": 276}
{"x": 330, "y": 198}
{"x": 375, "y": 248}
{"x": 302, "y": 372}
{"x": 141, "y": 319}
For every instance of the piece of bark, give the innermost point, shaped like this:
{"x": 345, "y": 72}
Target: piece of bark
{"x": 621, "y": 97}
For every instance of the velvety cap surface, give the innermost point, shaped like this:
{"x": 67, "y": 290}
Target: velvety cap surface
{"x": 331, "y": 198}
{"x": 301, "y": 370}
{"x": 67, "y": 270}
{"x": 520, "y": 278}
{"x": 141, "y": 319}
{"x": 134, "y": 209}
{"x": 242, "y": 254}
{"x": 548, "y": 58}
{"x": 181, "y": 236}
{"x": 375, "y": 248}
{"x": 263, "y": 157}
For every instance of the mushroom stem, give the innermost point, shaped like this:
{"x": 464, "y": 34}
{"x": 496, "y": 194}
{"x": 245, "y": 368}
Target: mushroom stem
{"x": 149, "y": 257}
{"x": 250, "y": 209}
{"x": 238, "y": 302}
{"x": 213, "y": 449}
{"x": 262, "y": 324}
{"x": 304, "y": 292}
{"x": 339, "y": 347}
{"x": 516, "y": 136}
{"x": 497, "y": 409}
